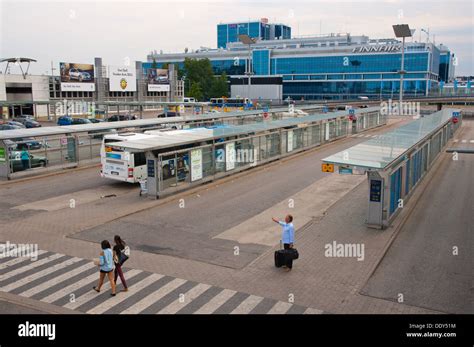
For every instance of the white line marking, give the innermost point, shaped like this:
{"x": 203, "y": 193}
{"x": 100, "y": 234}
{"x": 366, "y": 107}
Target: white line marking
{"x": 33, "y": 265}
{"x": 280, "y": 308}
{"x": 112, "y": 301}
{"x": 154, "y": 297}
{"x": 37, "y": 275}
{"x": 216, "y": 302}
{"x": 247, "y": 305}
{"x": 188, "y": 297}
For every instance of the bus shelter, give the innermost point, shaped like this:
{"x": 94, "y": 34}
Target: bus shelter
{"x": 397, "y": 161}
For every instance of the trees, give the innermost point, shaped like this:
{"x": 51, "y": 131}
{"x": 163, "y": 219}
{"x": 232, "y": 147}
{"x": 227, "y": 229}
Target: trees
{"x": 219, "y": 86}
{"x": 195, "y": 91}
{"x": 200, "y": 74}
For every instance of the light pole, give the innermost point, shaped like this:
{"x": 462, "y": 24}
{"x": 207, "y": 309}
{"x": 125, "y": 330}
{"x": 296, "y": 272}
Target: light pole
{"x": 403, "y": 31}
{"x": 247, "y": 40}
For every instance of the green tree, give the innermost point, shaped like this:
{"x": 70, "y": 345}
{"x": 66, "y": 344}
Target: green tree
{"x": 219, "y": 87}
{"x": 199, "y": 71}
{"x": 195, "y": 91}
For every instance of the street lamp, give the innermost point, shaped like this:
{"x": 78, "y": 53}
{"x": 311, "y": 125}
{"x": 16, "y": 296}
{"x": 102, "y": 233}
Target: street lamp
{"x": 403, "y": 31}
{"x": 247, "y": 40}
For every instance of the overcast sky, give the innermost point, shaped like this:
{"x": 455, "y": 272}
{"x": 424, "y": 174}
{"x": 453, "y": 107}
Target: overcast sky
{"x": 78, "y": 31}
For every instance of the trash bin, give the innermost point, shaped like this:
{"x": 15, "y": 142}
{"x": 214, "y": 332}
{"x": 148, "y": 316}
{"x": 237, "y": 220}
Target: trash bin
{"x": 143, "y": 187}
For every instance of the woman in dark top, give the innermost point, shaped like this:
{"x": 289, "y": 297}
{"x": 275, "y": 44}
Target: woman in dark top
{"x": 119, "y": 259}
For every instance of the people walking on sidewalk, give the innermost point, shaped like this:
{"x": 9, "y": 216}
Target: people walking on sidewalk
{"x": 287, "y": 237}
{"x": 119, "y": 258}
{"x": 106, "y": 266}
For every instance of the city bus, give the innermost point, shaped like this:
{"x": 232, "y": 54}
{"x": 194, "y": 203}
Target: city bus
{"x": 120, "y": 165}
{"x": 229, "y": 102}
{"x": 132, "y": 168}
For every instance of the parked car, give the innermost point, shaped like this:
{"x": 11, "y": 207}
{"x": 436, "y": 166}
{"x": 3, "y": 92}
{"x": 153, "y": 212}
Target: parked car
{"x": 35, "y": 161}
{"x": 20, "y": 143}
{"x": 76, "y": 121}
{"x": 12, "y": 122}
{"x": 79, "y": 75}
{"x": 121, "y": 117}
{"x": 64, "y": 120}
{"x": 95, "y": 120}
{"x": 22, "y": 117}
{"x": 9, "y": 127}
{"x": 30, "y": 123}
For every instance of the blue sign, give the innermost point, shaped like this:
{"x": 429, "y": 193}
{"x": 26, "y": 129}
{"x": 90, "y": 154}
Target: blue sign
{"x": 197, "y": 109}
{"x": 441, "y": 85}
{"x": 113, "y": 155}
{"x": 151, "y": 168}
{"x": 265, "y": 108}
{"x": 455, "y": 114}
{"x": 455, "y": 85}
{"x": 345, "y": 170}
{"x": 351, "y": 111}
{"x": 325, "y": 109}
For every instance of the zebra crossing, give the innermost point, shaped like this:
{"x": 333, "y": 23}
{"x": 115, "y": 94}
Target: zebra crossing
{"x": 67, "y": 281}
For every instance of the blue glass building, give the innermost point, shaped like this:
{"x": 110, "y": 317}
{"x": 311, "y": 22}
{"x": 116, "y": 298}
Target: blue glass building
{"x": 325, "y": 67}
{"x": 259, "y": 29}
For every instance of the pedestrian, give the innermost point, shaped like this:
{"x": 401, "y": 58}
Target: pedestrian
{"x": 119, "y": 258}
{"x": 106, "y": 265}
{"x": 25, "y": 158}
{"x": 288, "y": 238}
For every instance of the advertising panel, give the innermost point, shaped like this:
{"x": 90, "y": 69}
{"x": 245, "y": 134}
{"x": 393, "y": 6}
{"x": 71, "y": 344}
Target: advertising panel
{"x": 196, "y": 164}
{"x": 158, "y": 80}
{"x": 77, "y": 77}
{"x": 122, "y": 79}
{"x": 230, "y": 156}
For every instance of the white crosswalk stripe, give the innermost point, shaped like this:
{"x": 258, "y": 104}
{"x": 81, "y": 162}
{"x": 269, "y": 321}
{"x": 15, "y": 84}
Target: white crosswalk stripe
{"x": 17, "y": 261}
{"x": 216, "y": 302}
{"x": 188, "y": 297}
{"x": 56, "y": 280}
{"x": 93, "y": 294}
{"x": 471, "y": 141}
{"x": 455, "y": 140}
{"x": 39, "y": 274}
{"x": 464, "y": 141}
{"x": 112, "y": 301}
{"x": 45, "y": 279}
{"x": 247, "y": 305}
{"x": 30, "y": 266}
{"x": 70, "y": 289}
{"x": 154, "y": 297}
{"x": 280, "y": 308}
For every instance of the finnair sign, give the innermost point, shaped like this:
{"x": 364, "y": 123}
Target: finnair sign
{"x": 377, "y": 49}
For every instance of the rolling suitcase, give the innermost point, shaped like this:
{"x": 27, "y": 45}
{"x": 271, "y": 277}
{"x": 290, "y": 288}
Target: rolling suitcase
{"x": 280, "y": 258}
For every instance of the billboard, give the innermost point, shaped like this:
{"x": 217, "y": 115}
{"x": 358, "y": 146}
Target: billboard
{"x": 158, "y": 80}
{"x": 77, "y": 77}
{"x": 122, "y": 79}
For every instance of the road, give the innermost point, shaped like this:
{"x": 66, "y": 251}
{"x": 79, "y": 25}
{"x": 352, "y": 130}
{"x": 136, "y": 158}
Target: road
{"x": 431, "y": 262}
{"x": 187, "y": 232}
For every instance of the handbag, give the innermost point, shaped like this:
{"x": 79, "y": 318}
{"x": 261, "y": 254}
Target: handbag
{"x": 123, "y": 255}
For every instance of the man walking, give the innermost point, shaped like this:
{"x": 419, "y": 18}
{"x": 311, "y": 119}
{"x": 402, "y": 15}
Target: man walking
{"x": 288, "y": 237}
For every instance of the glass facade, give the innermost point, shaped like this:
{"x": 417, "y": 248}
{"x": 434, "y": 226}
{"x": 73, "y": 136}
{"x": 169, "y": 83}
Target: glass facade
{"x": 261, "y": 62}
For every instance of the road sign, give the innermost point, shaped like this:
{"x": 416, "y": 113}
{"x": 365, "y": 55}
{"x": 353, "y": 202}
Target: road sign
{"x": 325, "y": 109}
{"x": 327, "y": 167}
{"x": 351, "y": 111}
{"x": 455, "y": 114}
{"x": 345, "y": 170}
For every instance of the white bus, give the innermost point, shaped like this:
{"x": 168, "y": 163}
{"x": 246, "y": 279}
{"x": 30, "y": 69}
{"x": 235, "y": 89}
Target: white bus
{"x": 131, "y": 167}
{"x": 121, "y": 165}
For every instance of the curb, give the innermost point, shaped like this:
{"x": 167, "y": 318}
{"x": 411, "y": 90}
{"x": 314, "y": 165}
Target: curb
{"x": 34, "y": 304}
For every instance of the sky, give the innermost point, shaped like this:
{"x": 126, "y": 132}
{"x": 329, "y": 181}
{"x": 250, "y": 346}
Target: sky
{"x": 123, "y": 31}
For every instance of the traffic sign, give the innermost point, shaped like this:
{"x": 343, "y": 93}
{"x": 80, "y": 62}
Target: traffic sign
{"x": 351, "y": 111}
{"x": 455, "y": 114}
{"x": 327, "y": 167}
